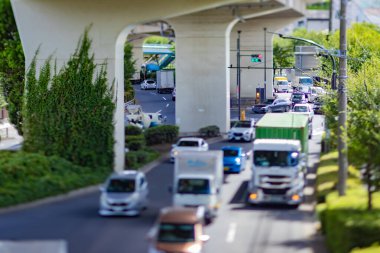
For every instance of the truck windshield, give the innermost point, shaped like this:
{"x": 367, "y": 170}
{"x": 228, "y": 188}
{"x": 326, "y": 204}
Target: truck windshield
{"x": 175, "y": 233}
{"x": 306, "y": 81}
{"x": 275, "y": 158}
{"x": 193, "y": 186}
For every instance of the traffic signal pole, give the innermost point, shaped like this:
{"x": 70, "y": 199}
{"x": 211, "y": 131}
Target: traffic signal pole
{"x": 265, "y": 64}
{"x": 238, "y": 71}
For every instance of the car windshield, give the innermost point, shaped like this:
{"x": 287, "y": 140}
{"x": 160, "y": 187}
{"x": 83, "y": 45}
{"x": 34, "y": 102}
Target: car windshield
{"x": 243, "y": 124}
{"x": 300, "y": 109}
{"x": 121, "y": 185}
{"x": 230, "y": 152}
{"x": 188, "y": 144}
{"x": 268, "y": 102}
{"x": 275, "y": 158}
{"x": 176, "y": 233}
{"x": 282, "y": 83}
{"x": 150, "y": 82}
{"x": 193, "y": 186}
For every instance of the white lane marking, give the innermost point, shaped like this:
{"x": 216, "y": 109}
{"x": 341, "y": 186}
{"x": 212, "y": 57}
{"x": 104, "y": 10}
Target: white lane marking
{"x": 167, "y": 105}
{"x": 159, "y": 111}
{"x": 231, "y": 232}
{"x": 153, "y": 93}
{"x": 164, "y": 98}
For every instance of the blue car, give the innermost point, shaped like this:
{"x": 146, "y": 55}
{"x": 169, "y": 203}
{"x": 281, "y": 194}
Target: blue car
{"x": 233, "y": 159}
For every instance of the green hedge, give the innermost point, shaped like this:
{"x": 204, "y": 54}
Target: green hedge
{"x": 132, "y": 130}
{"x": 135, "y": 142}
{"x": 136, "y": 159}
{"x": 26, "y": 177}
{"x": 161, "y": 134}
{"x": 373, "y": 249}
{"x": 209, "y": 131}
{"x": 345, "y": 220}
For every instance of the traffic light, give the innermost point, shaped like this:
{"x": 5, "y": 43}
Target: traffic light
{"x": 256, "y": 57}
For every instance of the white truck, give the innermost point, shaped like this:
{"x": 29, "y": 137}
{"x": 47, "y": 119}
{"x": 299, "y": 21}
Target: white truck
{"x": 165, "y": 81}
{"x": 278, "y": 172}
{"x": 198, "y": 180}
{"x": 135, "y": 116}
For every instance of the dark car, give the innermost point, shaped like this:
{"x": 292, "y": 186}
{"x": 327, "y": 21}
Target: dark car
{"x": 270, "y": 105}
{"x": 318, "y": 104}
{"x": 298, "y": 98}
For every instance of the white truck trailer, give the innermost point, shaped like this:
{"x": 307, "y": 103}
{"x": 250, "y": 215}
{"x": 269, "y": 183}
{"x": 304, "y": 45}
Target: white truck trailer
{"x": 165, "y": 81}
{"x": 278, "y": 172}
{"x": 198, "y": 180}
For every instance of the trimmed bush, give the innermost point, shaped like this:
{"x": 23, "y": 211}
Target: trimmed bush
{"x": 373, "y": 249}
{"x": 210, "y": 131}
{"x": 135, "y": 142}
{"x": 132, "y": 130}
{"x": 136, "y": 159}
{"x": 26, "y": 177}
{"x": 161, "y": 134}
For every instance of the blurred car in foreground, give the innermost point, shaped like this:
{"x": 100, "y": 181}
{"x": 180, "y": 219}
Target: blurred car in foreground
{"x": 124, "y": 193}
{"x": 242, "y": 130}
{"x": 178, "y": 230}
{"x": 188, "y": 144}
{"x": 234, "y": 159}
{"x": 148, "y": 84}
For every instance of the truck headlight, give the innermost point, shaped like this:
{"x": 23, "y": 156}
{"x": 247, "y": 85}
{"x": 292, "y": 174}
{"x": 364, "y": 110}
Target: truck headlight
{"x": 237, "y": 160}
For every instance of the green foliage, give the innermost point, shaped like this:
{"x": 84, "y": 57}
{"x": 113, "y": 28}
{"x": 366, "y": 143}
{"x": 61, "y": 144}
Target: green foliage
{"x": 157, "y": 40}
{"x": 325, "y": 6}
{"x": 283, "y": 53}
{"x": 135, "y": 142}
{"x": 161, "y": 134}
{"x": 129, "y": 70}
{"x": 345, "y": 220}
{"x": 12, "y": 64}
{"x": 210, "y": 131}
{"x": 136, "y": 159}
{"x": 26, "y": 177}
{"x": 71, "y": 113}
{"x": 373, "y": 249}
{"x": 132, "y": 130}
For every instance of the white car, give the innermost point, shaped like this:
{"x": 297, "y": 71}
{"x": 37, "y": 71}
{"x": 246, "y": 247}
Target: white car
{"x": 124, "y": 193}
{"x": 242, "y": 130}
{"x": 306, "y": 109}
{"x": 148, "y": 84}
{"x": 188, "y": 143}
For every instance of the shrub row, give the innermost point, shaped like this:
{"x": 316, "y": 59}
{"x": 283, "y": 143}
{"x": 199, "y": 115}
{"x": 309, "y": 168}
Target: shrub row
{"x": 345, "y": 220}
{"x": 136, "y": 159}
{"x": 161, "y": 134}
{"x": 209, "y": 131}
{"x": 26, "y": 177}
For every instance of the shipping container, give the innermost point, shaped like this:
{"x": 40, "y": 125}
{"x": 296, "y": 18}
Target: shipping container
{"x": 284, "y": 126}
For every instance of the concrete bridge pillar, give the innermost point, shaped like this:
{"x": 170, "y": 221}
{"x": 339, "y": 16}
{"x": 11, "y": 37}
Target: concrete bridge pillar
{"x": 137, "y": 51}
{"x": 202, "y": 76}
{"x": 252, "y": 42}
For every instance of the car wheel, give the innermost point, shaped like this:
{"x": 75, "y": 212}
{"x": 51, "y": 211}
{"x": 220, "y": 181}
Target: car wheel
{"x": 269, "y": 110}
{"x": 287, "y": 109}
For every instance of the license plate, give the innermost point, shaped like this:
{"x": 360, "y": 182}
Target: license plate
{"x": 226, "y": 169}
{"x": 276, "y": 198}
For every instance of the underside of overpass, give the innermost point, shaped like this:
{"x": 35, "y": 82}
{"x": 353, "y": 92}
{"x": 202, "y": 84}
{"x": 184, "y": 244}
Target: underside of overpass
{"x": 205, "y": 35}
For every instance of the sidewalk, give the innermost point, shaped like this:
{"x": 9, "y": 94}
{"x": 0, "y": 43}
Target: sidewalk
{"x": 10, "y": 139}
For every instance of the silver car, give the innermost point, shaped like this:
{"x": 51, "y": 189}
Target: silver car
{"x": 124, "y": 193}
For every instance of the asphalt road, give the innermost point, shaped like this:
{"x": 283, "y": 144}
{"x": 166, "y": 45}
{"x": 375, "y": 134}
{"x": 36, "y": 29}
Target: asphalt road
{"x": 237, "y": 229}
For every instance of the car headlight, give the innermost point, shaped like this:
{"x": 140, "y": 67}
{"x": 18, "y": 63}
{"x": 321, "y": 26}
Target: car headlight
{"x": 237, "y": 160}
{"x": 246, "y": 133}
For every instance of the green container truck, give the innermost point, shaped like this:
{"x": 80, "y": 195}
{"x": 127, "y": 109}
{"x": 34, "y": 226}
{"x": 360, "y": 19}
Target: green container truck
{"x": 288, "y": 126}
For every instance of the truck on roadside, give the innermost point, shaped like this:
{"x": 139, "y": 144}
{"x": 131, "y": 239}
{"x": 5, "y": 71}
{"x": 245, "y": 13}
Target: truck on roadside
{"x": 135, "y": 116}
{"x": 198, "y": 180}
{"x": 279, "y": 159}
{"x": 165, "y": 81}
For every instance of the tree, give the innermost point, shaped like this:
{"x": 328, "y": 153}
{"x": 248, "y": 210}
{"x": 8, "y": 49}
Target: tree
{"x": 70, "y": 113}
{"x": 12, "y": 64}
{"x": 129, "y": 70}
{"x": 364, "y": 125}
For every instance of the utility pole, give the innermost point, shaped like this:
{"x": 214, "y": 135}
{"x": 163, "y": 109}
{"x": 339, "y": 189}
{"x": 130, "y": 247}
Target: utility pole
{"x": 265, "y": 64}
{"x": 331, "y": 7}
{"x": 342, "y": 98}
{"x": 238, "y": 70}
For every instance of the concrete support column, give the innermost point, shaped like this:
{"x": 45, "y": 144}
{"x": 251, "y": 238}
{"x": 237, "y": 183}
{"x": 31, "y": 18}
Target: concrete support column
{"x": 137, "y": 51}
{"x": 252, "y": 42}
{"x": 202, "y": 86}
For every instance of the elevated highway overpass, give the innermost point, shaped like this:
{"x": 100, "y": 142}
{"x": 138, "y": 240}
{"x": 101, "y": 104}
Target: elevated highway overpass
{"x": 205, "y": 33}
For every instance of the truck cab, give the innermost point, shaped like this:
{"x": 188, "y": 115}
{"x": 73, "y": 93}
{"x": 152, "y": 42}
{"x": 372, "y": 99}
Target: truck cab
{"x": 278, "y": 172}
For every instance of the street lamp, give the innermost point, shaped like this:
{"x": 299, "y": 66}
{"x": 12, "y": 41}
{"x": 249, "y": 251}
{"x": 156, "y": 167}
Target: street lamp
{"x": 333, "y": 77}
